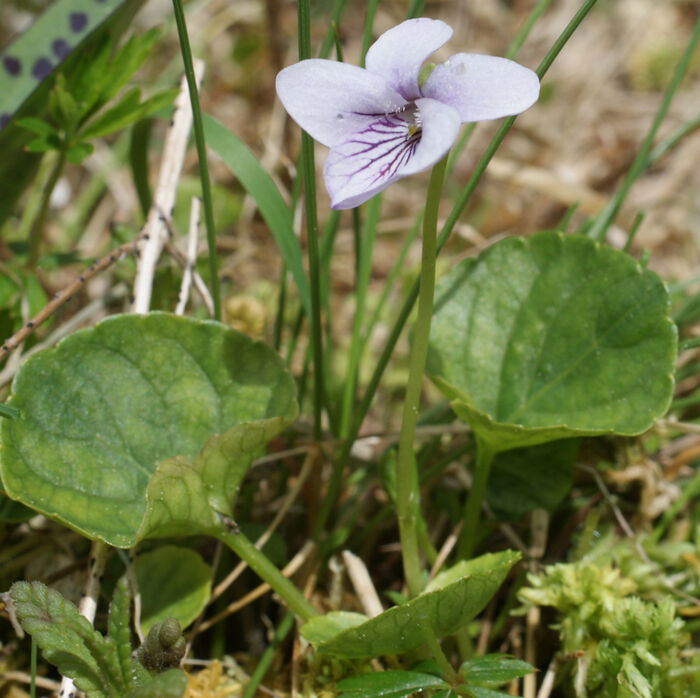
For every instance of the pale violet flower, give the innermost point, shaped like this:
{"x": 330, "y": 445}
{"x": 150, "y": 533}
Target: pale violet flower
{"x": 380, "y": 124}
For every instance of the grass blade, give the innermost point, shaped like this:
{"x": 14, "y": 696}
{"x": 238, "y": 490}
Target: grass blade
{"x": 253, "y": 178}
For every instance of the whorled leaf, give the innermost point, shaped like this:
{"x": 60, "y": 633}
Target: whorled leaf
{"x": 550, "y": 337}
{"x": 142, "y": 425}
{"x": 451, "y": 601}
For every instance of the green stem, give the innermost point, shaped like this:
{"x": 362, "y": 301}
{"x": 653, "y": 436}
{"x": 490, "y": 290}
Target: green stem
{"x": 331, "y": 34}
{"x": 365, "y": 245}
{"x": 308, "y": 176}
{"x": 525, "y": 30}
{"x": 198, "y": 130}
{"x": 281, "y": 304}
{"x": 472, "y": 509}
{"x": 407, "y": 492}
{"x": 673, "y": 138}
{"x": 641, "y": 161}
{"x": 448, "y": 672}
{"x": 35, "y": 235}
{"x": 259, "y": 563}
{"x": 32, "y": 669}
{"x": 367, "y": 33}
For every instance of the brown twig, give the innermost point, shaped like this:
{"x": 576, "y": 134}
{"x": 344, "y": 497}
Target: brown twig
{"x": 67, "y": 293}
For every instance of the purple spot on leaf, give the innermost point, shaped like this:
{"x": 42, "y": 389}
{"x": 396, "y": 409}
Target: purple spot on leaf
{"x": 41, "y": 68}
{"x": 12, "y": 65}
{"x": 60, "y": 48}
{"x": 78, "y": 21}
{"x": 4, "y": 120}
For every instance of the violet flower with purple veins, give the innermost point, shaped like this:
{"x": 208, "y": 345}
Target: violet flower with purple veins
{"x": 381, "y": 122}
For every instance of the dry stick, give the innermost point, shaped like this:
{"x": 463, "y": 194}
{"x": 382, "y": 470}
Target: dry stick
{"x": 88, "y": 601}
{"x": 686, "y": 427}
{"x": 548, "y": 681}
{"x": 24, "y": 677}
{"x": 362, "y": 584}
{"x": 190, "y": 257}
{"x": 64, "y": 296}
{"x": 446, "y": 549}
{"x": 288, "y": 570}
{"x": 73, "y": 323}
{"x": 164, "y": 195}
{"x": 197, "y": 280}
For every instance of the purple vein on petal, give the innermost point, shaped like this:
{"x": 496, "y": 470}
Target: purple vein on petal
{"x": 373, "y": 157}
{"x": 397, "y": 139}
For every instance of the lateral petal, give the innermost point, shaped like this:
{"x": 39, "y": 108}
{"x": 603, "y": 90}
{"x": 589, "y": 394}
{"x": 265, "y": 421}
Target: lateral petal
{"x": 483, "y": 87}
{"x": 331, "y": 100}
{"x": 399, "y": 53}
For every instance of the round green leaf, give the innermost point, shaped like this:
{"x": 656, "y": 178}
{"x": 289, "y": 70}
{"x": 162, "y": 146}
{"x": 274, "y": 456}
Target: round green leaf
{"x": 550, "y": 337}
{"x": 174, "y": 582}
{"x": 111, "y": 414}
{"x": 452, "y": 599}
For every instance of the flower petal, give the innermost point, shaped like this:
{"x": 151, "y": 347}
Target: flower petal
{"x": 386, "y": 149}
{"x": 483, "y": 87}
{"x": 399, "y": 53}
{"x": 330, "y": 100}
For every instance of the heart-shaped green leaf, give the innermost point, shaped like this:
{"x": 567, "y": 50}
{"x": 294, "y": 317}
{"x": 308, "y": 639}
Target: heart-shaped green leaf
{"x": 450, "y": 601}
{"x": 142, "y": 426}
{"x": 174, "y": 582}
{"x": 550, "y": 337}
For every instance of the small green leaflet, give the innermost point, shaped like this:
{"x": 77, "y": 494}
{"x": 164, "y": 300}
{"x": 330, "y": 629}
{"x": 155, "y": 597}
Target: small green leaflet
{"x": 33, "y": 55}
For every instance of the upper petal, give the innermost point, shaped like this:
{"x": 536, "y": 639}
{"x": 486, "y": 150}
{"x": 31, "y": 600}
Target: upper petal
{"x": 483, "y": 87}
{"x": 399, "y": 53}
{"x": 330, "y": 100}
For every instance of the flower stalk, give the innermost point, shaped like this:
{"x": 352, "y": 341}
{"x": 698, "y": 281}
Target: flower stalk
{"x": 472, "y": 509}
{"x": 261, "y": 565}
{"x": 407, "y": 492}
{"x": 309, "y": 179}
